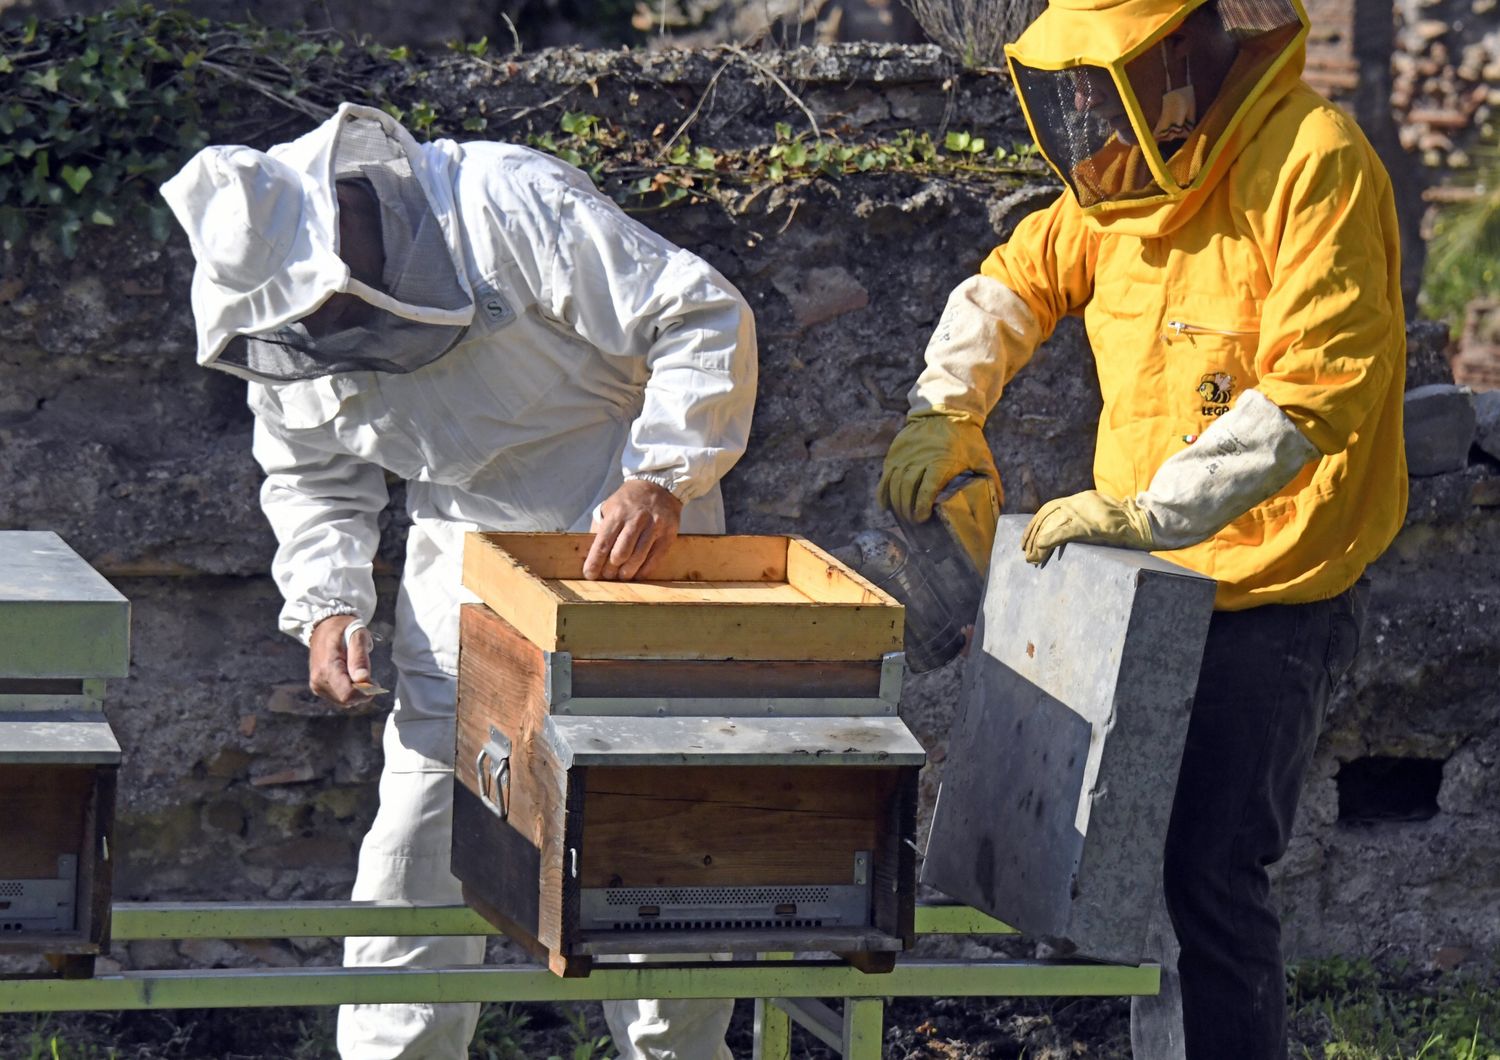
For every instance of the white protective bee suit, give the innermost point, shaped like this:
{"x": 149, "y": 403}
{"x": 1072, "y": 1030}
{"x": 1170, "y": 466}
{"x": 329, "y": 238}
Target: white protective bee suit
{"x": 527, "y": 349}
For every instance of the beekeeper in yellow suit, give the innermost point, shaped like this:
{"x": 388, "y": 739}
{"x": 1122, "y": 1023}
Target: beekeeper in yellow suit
{"x": 1229, "y": 238}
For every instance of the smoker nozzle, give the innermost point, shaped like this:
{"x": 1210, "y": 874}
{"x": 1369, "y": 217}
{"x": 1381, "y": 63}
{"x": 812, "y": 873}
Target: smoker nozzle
{"x": 934, "y": 633}
{"x": 926, "y": 566}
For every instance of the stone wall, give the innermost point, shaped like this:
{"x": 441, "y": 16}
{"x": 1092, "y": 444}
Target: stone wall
{"x": 509, "y": 25}
{"x": 237, "y": 784}
{"x": 1423, "y": 78}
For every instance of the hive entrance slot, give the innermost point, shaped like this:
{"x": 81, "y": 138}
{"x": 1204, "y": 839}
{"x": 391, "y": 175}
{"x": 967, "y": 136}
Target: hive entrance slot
{"x": 1389, "y": 788}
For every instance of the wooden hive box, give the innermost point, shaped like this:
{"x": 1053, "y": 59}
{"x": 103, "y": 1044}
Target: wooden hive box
{"x": 64, "y": 630}
{"x": 710, "y": 761}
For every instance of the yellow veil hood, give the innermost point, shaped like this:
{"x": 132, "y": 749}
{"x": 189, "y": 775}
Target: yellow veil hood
{"x": 1121, "y": 182}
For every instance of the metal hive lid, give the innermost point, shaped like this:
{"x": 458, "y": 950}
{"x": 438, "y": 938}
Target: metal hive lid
{"x": 59, "y": 618}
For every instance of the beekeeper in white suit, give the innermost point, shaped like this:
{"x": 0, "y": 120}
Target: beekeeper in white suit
{"x": 478, "y": 320}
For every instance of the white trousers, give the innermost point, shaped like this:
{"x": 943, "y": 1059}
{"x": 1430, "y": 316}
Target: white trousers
{"x": 405, "y": 855}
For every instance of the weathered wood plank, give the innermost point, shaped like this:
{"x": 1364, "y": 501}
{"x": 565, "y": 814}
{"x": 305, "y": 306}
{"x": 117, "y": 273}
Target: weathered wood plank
{"x": 515, "y": 930}
{"x": 744, "y": 631}
{"x": 715, "y": 827}
{"x": 894, "y": 897}
{"x": 500, "y": 684}
{"x": 692, "y": 557}
{"x": 511, "y": 588}
{"x": 725, "y": 678}
{"x": 835, "y": 742}
{"x": 571, "y": 885}
{"x": 499, "y": 866}
{"x": 96, "y": 864}
{"x": 824, "y": 579}
{"x": 46, "y": 807}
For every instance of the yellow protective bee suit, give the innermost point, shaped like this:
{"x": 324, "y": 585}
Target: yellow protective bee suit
{"x": 1234, "y": 260}
{"x": 1261, "y": 255}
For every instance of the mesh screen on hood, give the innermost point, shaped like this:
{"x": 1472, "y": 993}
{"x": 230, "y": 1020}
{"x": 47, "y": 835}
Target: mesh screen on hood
{"x": 1080, "y": 118}
{"x": 418, "y": 273}
{"x": 1245, "y": 19}
{"x": 1082, "y": 127}
{"x": 419, "y": 270}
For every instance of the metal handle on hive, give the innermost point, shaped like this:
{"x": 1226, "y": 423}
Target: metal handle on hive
{"x": 494, "y": 782}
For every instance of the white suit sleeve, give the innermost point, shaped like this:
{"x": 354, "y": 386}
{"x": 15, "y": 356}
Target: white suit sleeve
{"x": 984, "y": 337}
{"x": 630, "y": 293}
{"x": 324, "y": 507}
{"x": 1245, "y": 456}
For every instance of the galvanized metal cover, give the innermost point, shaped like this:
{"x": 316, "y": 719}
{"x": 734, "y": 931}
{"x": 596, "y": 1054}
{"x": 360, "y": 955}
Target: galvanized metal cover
{"x": 57, "y": 739}
{"x": 59, "y": 618}
{"x": 738, "y": 741}
{"x": 1063, "y": 758}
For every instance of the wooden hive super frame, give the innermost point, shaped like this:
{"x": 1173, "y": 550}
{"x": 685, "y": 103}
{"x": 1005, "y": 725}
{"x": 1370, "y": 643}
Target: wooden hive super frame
{"x": 730, "y": 596}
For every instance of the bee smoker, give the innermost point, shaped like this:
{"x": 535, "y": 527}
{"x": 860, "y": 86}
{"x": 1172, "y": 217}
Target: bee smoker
{"x": 936, "y": 568}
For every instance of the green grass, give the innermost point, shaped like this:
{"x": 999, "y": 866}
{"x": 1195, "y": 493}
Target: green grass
{"x": 48, "y": 1043}
{"x": 1463, "y": 253}
{"x": 585, "y": 1042}
{"x": 1354, "y": 1010}
{"x": 501, "y": 1033}
{"x": 507, "y": 1032}
{"x": 1340, "y": 1009}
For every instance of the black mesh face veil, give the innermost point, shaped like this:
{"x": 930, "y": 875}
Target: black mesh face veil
{"x": 1083, "y": 127}
{"x": 352, "y": 334}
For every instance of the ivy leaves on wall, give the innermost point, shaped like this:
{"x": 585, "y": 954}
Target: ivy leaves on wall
{"x": 95, "y": 111}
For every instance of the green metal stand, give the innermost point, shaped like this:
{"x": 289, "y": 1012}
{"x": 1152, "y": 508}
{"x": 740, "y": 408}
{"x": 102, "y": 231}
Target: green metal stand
{"x": 787, "y": 989}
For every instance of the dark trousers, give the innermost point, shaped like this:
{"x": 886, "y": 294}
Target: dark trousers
{"x": 1265, "y": 682}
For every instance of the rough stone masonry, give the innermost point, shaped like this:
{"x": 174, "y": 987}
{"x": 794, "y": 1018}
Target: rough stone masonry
{"x": 237, "y": 785}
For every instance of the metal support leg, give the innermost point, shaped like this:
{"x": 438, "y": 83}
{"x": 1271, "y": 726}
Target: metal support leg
{"x": 864, "y": 1028}
{"x": 773, "y": 1032}
{"x": 815, "y": 1017}
{"x": 773, "y": 1027}
{"x": 855, "y": 1036}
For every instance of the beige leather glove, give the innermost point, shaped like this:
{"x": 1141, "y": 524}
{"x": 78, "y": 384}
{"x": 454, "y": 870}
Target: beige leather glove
{"x": 1088, "y": 516}
{"x": 1247, "y": 455}
{"x": 935, "y": 445}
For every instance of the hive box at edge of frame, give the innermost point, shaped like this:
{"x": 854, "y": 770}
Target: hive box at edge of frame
{"x": 63, "y": 631}
{"x": 708, "y": 761}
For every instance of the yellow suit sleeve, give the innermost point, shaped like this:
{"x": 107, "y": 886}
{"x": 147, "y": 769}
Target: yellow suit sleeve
{"x": 1048, "y": 262}
{"x": 1332, "y": 330}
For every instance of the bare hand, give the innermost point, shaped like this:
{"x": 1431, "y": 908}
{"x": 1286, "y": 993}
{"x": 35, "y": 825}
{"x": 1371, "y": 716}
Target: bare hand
{"x": 638, "y": 524}
{"x": 331, "y": 672}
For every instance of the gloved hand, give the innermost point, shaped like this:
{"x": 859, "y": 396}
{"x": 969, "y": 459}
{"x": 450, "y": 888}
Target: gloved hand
{"x": 1088, "y": 516}
{"x": 934, "y": 446}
